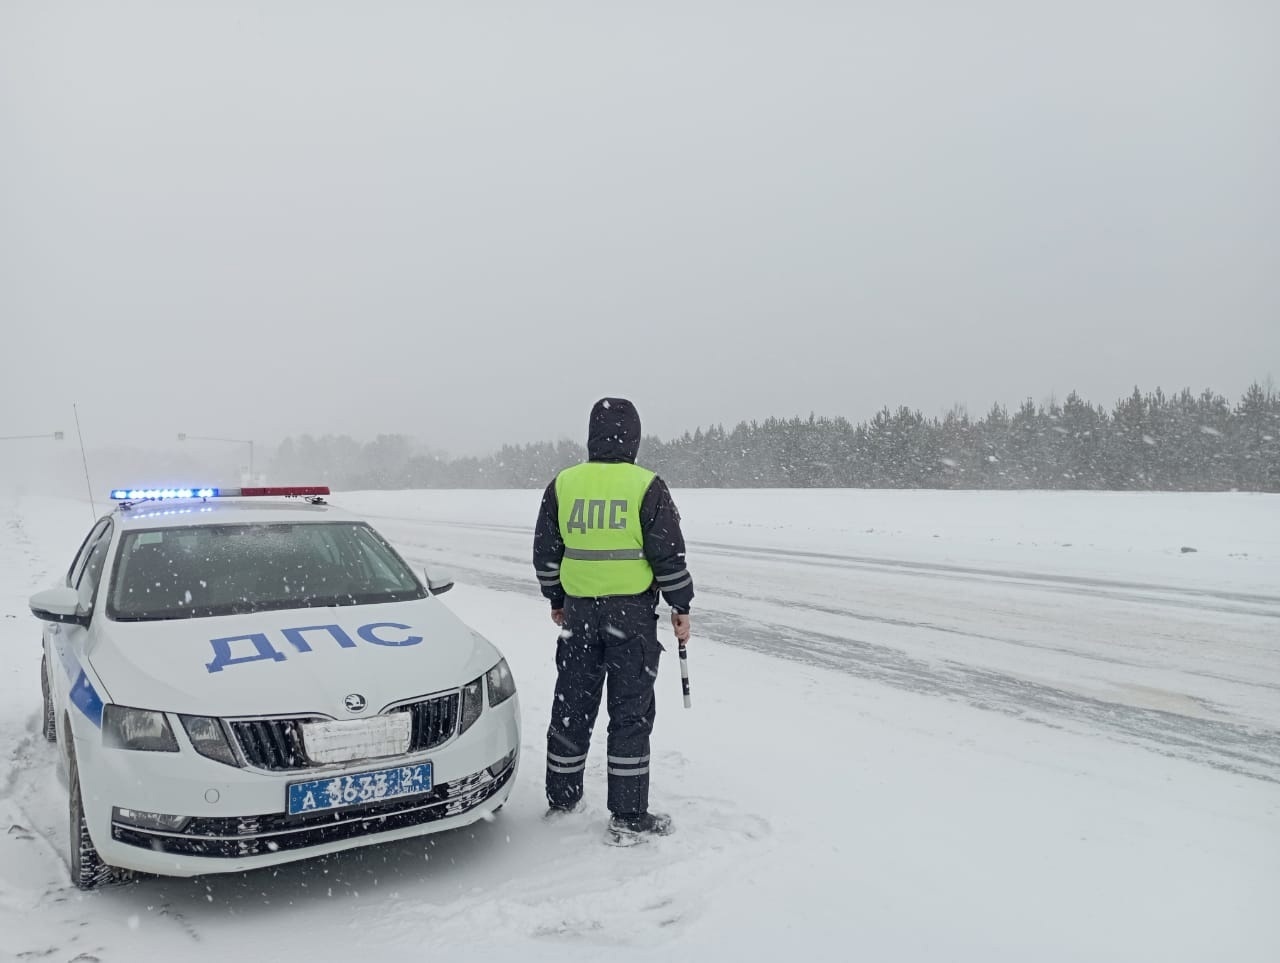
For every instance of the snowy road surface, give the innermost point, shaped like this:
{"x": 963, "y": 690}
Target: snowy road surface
{"x": 926, "y": 726}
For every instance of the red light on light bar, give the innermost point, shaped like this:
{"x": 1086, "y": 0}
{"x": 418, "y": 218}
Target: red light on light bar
{"x": 290, "y": 490}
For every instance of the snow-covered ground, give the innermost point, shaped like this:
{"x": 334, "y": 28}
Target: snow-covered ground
{"x": 926, "y": 726}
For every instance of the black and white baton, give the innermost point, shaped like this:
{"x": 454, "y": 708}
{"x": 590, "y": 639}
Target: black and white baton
{"x": 684, "y": 674}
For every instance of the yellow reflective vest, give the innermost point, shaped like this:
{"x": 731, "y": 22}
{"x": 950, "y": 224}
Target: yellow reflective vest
{"x": 600, "y": 525}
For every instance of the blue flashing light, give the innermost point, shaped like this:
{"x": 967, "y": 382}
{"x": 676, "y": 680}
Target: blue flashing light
{"x": 176, "y": 511}
{"x": 160, "y": 494}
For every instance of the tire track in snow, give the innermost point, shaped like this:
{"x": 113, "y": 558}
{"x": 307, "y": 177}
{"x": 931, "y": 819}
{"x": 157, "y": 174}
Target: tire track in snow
{"x": 1231, "y": 747}
{"x": 1180, "y": 596}
{"x": 712, "y": 590}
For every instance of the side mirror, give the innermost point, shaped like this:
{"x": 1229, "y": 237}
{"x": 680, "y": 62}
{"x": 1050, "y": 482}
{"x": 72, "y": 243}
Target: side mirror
{"x": 438, "y": 584}
{"x": 60, "y": 604}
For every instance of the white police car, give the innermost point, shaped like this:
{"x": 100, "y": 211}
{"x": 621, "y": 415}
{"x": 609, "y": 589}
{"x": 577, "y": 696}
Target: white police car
{"x": 236, "y": 683}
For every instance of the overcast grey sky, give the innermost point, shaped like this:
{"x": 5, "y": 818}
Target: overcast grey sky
{"x": 467, "y": 221}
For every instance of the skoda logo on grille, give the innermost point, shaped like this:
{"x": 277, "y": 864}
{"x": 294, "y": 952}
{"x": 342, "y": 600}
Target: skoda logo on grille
{"x": 355, "y": 702}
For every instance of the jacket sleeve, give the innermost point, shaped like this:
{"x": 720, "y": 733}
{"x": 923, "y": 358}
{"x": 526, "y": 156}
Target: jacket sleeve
{"x": 548, "y": 548}
{"x": 664, "y": 546}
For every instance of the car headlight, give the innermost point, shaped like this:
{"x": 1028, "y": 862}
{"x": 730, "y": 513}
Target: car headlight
{"x": 502, "y": 684}
{"x": 209, "y": 739}
{"x": 140, "y": 729}
{"x": 472, "y": 703}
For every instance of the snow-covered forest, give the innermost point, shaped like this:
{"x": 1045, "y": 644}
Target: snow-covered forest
{"x": 1152, "y": 441}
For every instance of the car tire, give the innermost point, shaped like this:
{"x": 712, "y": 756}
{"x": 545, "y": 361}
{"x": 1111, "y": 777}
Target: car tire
{"x": 50, "y": 723}
{"x": 88, "y": 871}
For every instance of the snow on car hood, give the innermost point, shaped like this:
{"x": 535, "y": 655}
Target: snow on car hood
{"x": 292, "y": 662}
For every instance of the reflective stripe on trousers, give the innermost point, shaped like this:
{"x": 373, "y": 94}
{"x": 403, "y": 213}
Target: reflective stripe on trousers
{"x": 566, "y": 764}
{"x": 628, "y": 766}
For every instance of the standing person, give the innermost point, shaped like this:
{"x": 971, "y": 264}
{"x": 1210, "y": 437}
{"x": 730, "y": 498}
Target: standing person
{"x": 608, "y": 540}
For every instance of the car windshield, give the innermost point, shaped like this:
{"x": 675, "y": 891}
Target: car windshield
{"x": 208, "y": 570}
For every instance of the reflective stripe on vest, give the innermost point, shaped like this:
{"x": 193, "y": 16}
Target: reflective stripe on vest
{"x": 604, "y": 554}
{"x": 600, "y": 524}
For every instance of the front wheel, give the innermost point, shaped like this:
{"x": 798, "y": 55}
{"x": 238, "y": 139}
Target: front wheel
{"x": 50, "y": 719}
{"x": 88, "y": 871}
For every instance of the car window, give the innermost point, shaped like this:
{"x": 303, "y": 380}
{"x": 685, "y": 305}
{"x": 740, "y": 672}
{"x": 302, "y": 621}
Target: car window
{"x": 207, "y": 570}
{"x": 91, "y": 570}
{"x": 379, "y": 562}
{"x": 77, "y": 563}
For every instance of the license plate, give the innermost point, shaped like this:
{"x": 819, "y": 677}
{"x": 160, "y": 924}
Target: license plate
{"x": 357, "y": 789}
{"x": 327, "y": 743}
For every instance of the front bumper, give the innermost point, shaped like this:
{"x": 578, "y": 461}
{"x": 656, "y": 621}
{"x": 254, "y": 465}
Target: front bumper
{"x": 241, "y": 838}
{"x": 238, "y": 819}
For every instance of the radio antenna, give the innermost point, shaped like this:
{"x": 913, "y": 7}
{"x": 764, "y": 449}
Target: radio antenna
{"x": 93, "y": 508}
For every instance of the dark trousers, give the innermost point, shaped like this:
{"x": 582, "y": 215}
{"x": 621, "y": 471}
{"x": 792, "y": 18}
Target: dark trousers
{"x": 611, "y": 642}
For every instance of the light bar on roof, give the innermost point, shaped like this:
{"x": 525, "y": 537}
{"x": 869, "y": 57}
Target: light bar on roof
{"x": 168, "y": 494}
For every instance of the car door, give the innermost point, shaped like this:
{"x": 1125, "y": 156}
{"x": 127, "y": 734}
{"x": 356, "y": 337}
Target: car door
{"x": 66, "y": 642}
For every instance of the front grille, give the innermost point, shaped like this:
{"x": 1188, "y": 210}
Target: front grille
{"x": 434, "y": 721}
{"x": 241, "y": 837}
{"x": 276, "y": 744}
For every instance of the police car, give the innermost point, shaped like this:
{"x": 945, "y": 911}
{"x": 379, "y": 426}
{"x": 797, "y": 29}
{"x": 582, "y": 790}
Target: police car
{"x": 235, "y": 683}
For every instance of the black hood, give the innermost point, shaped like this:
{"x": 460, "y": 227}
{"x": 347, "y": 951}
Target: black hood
{"x": 614, "y": 434}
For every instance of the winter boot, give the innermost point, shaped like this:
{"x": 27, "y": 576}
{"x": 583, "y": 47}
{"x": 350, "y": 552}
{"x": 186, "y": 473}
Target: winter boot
{"x": 627, "y": 829}
{"x": 557, "y": 809}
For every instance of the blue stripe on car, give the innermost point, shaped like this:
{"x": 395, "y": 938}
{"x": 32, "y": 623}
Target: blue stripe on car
{"x": 85, "y": 698}
{"x": 83, "y": 695}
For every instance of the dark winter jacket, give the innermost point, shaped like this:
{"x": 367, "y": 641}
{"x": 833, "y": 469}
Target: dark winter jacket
{"x": 614, "y": 436}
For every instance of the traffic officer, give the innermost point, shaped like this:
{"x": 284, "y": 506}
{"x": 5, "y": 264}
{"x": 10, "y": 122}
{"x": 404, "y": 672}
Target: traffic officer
{"x": 608, "y": 540}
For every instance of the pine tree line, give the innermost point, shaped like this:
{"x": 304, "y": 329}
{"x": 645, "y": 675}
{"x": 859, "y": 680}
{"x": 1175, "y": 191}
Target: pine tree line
{"x": 1152, "y": 441}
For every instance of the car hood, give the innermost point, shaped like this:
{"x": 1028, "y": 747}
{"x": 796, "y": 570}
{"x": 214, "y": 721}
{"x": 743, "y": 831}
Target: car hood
{"x": 293, "y": 662}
